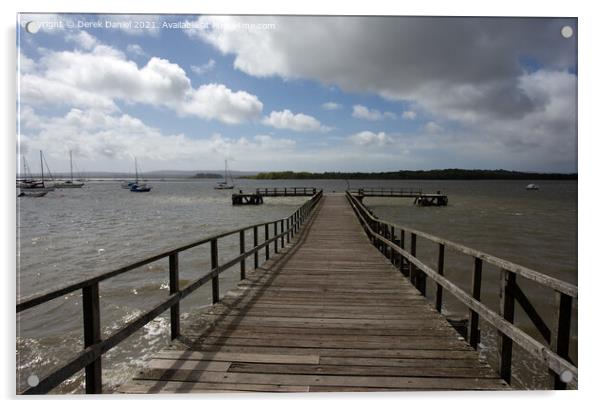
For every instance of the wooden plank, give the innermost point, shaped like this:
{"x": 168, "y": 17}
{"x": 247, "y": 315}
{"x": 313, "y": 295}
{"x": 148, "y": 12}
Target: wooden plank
{"x": 343, "y": 352}
{"x": 148, "y": 387}
{"x": 242, "y": 357}
{"x": 199, "y": 365}
{"x": 390, "y": 371}
{"x": 402, "y": 362}
{"x": 328, "y": 380}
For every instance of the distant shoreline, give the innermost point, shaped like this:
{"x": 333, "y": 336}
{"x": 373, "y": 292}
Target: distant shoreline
{"x": 445, "y": 174}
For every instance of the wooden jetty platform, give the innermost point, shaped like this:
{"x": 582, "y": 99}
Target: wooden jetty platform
{"x": 420, "y": 198}
{"x": 338, "y": 305}
{"x": 256, "y": 198}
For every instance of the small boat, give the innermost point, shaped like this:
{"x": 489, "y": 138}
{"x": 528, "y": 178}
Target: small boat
{"x": 32, "y": 193}
{"x": 224, "y": 185}
{"x": 138, "y": 187}
{"x": 532, "y": 187}
{"x": 69, "y": 183}
{"x": 127, "y": 184}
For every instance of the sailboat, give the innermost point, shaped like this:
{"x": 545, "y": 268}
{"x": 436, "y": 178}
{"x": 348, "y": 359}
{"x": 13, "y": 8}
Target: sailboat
{"x": 138, "y": 187}
{"x": 26, "y": 180}
{"x": 69, "y": 183}
{"x": 33, "y": 188}
{"x": 224, "y": 185}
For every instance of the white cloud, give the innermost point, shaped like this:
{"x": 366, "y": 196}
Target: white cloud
{"x": 362, "y": 112}
{"x": 98, "y": 78}
{"x": 216, "y": 101}
{"x": 368, "y": 138}
{"x": 298, "y": 122}
{"x": 203, "y": 69}
{"x": 410, "y": 115}
{"x": 137, "y": 50}
{"x": 331, "y": 106}
{"x": 97, "y": 136}
{"x": 83, "y": 39}
{"x": 432, "y": 127}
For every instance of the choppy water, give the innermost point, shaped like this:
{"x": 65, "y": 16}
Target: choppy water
{"x": 72, "y": 234}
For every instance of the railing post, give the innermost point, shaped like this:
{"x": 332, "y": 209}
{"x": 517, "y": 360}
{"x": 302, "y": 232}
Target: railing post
{"x": 214, "y": 265}
{"x": 275, "y": 237}
{"x": 91, "y": 309}
{"x": 474, "y": 334}
{"x": 562, "y": 336}
{"x": 267, "y": 237}
{"x": 508, "y": 281}
{"x": 440, "y": 268}
{"x": 392, "y": 239}
{"x": 174, "y": 287}
{"x": 294, "y": 222}
{"x": 413, "y": 253}
{"x": 419, "y": 276}
{"x": 282, "y": 233}
{"x": 255, "y": 243}
{"x": 243, "y": 262}
{"x": 402, "y": 263}
{"x": 288, "y": 231}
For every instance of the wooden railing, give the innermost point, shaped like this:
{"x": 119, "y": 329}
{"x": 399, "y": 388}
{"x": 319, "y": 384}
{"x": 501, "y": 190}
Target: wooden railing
{"x": 386, "y": 192}
{"x": 94, "y": 346}
{"x": 554, "y": 354}
{"x": 287, "y": 191}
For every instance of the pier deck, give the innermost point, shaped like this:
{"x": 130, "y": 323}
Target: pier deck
{"x": 327, "y": 313}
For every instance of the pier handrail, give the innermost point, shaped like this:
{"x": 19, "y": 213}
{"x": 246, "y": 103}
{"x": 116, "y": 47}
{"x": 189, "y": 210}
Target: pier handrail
{"x": 555, "y": 355}
{"x": 94, "y": 346}
{"x": 382, "y": 191}
{"x": 305, "y": 191}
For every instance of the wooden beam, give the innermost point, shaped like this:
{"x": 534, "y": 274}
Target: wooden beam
{"x": 92, "y": 336}
{"x": 507, "y": 283}
{"x": 174, "y": 287}
{"x": 474, "y": 334}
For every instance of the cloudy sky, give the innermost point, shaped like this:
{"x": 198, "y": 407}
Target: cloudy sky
{"x": 298, "y": 93}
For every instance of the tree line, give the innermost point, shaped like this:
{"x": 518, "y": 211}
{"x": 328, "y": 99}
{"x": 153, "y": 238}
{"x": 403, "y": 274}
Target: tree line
{"x": 443, "y": 174}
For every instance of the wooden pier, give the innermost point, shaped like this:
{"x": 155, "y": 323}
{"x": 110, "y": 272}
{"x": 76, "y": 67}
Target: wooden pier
{"x": 256, "y": 198}
{"x": 420, "y": 198}
{"x": 287, "y": 191}
{"x": 331, "y": 314}
{"x": 338, "y": 305}
{"x": 246, "y": 199}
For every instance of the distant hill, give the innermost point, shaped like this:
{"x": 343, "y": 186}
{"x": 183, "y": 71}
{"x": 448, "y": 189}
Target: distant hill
{"x": 443, "y": 174}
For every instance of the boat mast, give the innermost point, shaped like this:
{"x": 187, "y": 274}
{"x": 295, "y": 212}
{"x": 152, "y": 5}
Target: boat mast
{"x": 71, "y": 164}
{"x": 42, "y": 167}
{"x": 136, "y": 167}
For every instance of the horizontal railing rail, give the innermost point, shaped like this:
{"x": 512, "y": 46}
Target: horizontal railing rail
{"x": 555, "y": 355}
{"x": 94, "y": 346}
{"x": 287, "y": 191}
{"x": 381, "y": 191}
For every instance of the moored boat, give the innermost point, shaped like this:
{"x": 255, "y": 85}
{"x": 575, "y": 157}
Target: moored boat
{"x": 69, "y": 183}
{"x": 138, "y": 187}
{"x": 225, "y": 185}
